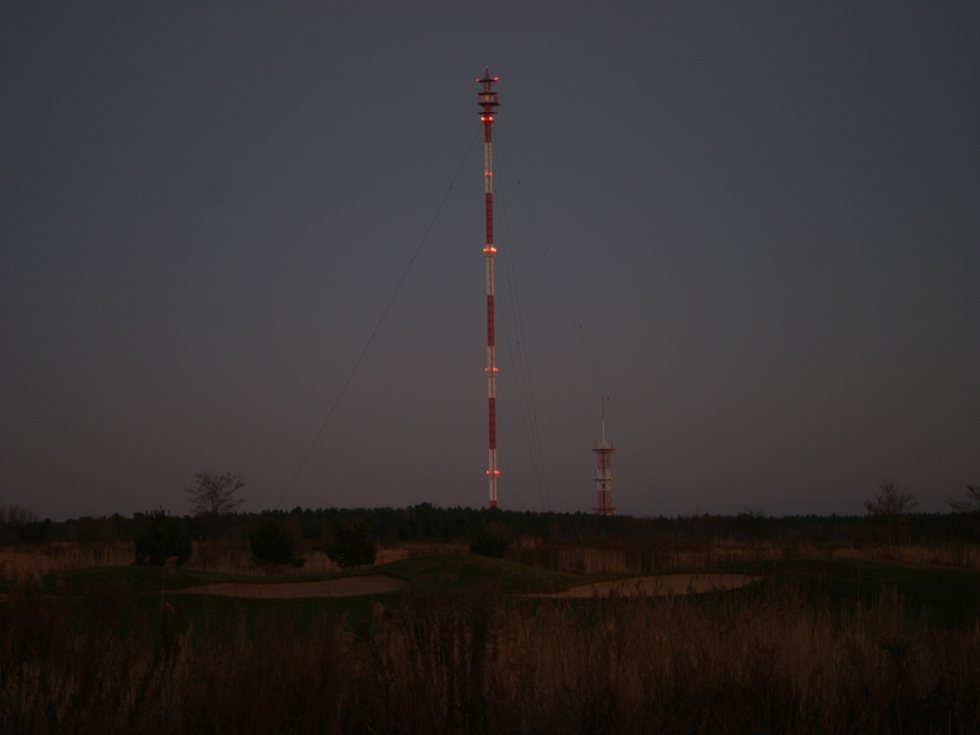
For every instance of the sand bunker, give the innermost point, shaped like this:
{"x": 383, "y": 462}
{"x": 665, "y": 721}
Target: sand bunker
{"x": 343, "y": 587}
{"x": 665, "y": 584}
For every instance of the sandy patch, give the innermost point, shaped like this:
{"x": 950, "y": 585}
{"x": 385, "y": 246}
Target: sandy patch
{"x": 343, "y": 587}
{"x": 664, "y": 584}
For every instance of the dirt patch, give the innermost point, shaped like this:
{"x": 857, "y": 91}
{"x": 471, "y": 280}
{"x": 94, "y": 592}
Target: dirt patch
{"x": 343, "y": 587}
{"x": 664, "y": 584}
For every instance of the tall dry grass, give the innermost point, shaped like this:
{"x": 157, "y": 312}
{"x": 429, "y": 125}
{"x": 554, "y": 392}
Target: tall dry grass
{"x": 475, "y": 663}
{"x": 953, "y": 555}
{"x": 589, "y": 556}
{"x": 27, "y": 561}
{"x": 640, "y": 556}
{"x": 24, "y": 561}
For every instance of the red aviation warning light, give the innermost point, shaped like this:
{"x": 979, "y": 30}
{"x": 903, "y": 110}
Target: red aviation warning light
{"x": 488, "y": 98}
{"x": 488, "y": 103}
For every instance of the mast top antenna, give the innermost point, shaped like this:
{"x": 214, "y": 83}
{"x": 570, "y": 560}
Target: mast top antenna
{"x": 488, "y": 97}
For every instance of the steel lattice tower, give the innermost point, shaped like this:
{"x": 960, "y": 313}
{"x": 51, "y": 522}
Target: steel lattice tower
{"x": 603, "y": 471}
{"x": 488, "y": 101}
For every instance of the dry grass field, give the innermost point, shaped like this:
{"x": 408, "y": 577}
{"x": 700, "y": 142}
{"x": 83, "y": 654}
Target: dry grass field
{"x": 27, "y": 561}
{"x": 832, "y": 639}
{"x": 458, "y": 657}
{"x": 636, "y": 556}
{"x": 612, "y": 556}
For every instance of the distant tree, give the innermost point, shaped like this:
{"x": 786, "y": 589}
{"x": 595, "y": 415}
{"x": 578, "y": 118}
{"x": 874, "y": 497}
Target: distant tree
{"x": 13, "y": 521}
{"x": 891, "y": 503}
{"x": 161, "y": 537}
{"x": 750, "y": 523}
{"x": 212, "y": 496}
{"x": 17, "y": 516}
{"x": 352, "y": 546}
{"x": 273, "y": 544}
{"x": 970, "y": 507}
{"x": 491, "y": 540}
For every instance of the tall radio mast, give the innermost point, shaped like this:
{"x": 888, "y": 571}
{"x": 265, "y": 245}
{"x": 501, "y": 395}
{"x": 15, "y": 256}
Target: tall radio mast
{"x": 488, "y": 101}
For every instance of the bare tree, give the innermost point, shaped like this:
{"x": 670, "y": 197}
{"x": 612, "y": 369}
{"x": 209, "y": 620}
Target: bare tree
{"x": 970, "y": 506}
{"x": 213, "y": 495}
{"x": 891, "y": 503}
{"x": 12, "y": 519}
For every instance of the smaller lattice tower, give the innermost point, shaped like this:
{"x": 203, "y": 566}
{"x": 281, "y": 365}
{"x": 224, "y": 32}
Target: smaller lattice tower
{"x": 603, "y": 471}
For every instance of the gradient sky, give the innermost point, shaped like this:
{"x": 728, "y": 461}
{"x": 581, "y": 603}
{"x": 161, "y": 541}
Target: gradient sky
{"x": 766, "y": 216}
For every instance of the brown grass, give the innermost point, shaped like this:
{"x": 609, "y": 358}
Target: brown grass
{"x": 590, "y": 556}
{"x": 474, "y": 663}
{"x": 640, "y": 556}
{"x": 953, "y": 555}
{"x": 26, "y": 561}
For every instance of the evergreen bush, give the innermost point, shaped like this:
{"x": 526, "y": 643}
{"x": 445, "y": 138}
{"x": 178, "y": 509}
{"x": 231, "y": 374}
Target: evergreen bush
{"x": 491, "y": 540}
{"x": 161, "y": 537}
{"x": 353, "y": 546}
{"x": 273, "y": 544}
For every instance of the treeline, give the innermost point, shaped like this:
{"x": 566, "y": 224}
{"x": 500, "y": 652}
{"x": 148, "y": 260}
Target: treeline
{"x": 425, "y": 522}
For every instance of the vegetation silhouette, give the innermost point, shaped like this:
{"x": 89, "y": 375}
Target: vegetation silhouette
{"x": 273, "y": 545}
{"x": 352, "y": 546}
{"x": 213, "y": 496}
{"x": 970, "y": 508}
{"x": 892, "y": 504}
{"x": 161, "y": 537}
{"x": 491, "y": 540}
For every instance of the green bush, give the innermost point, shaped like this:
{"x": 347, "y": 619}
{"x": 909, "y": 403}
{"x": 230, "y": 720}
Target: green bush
{"x": 353, "y": 546}
{"x": 491, "y": 540}
{"x": 273, "y": 544}
{"x": 161, "y": 537}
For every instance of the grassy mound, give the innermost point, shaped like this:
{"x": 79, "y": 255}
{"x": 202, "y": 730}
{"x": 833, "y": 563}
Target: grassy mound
{"x": 126, "y": 580}
{"x": 950, "y": 595}
{"x": 422, "y": 573}
{"x": 470, "y": 571}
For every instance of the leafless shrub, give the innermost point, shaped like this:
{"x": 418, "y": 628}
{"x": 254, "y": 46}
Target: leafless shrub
{"x": 212, "y": 495}
{"x": 891, "y": 503}
{"x": 970, "y": 507}
{"x": 17, "y": 516}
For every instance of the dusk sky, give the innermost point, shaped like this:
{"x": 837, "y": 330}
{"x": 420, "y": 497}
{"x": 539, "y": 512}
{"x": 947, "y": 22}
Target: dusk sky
{"x": 766, "y": 217}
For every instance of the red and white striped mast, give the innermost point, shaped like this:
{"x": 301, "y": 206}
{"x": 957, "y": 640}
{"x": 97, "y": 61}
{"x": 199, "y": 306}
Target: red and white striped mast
{"x": 488, "y": 101}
